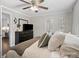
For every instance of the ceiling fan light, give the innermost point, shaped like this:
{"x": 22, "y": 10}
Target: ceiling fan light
{"x": 34, "y": 8}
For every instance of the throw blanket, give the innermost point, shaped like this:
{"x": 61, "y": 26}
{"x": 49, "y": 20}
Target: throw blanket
{"x": 69, "y": 50}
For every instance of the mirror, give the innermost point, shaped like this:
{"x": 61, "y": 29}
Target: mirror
{"x": 20, "y": 23}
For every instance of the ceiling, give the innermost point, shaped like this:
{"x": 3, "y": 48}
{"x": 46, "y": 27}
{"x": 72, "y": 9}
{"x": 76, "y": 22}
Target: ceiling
{"x": 53, "y": 5}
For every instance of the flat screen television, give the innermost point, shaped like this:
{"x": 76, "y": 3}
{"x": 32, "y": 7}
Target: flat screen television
{"x": 27, "y": 27}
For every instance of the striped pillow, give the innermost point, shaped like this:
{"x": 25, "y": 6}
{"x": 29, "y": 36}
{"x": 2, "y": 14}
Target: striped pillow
{"x": 44, "y": 40}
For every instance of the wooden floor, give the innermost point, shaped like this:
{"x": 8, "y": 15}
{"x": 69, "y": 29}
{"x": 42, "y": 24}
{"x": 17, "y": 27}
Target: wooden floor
{"x": 5, "y": 45}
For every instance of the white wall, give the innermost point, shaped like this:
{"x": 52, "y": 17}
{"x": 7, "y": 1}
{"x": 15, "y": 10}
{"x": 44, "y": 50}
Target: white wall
{"x": 13, "y": 26}
{"x": 76, "y": 19}
{"x": 58, "y": 22}
{"x": 0, "y": 33}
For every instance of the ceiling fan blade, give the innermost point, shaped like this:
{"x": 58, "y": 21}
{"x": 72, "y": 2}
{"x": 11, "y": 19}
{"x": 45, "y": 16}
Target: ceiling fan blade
{"x": 27, "y": 7}
{"x": 20, "y": 5}
{"x": 43, "y": 7}
{"x": 41, "y": 1}
{"x": 25, "y": 1}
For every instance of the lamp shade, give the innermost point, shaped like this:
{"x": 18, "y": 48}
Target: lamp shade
{"x": 5, "y": 28}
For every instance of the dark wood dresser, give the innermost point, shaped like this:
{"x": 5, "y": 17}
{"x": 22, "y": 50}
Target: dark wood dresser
{"x": 21, "y": 36}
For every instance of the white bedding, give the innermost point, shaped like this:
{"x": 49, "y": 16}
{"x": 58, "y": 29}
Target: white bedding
{"x": 35, "y": 52}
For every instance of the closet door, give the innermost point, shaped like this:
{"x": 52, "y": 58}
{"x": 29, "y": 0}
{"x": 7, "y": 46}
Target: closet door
{"x": 62, "y": 23}
{"x": 67, "y": 24}
{"x": 56, "y": 24}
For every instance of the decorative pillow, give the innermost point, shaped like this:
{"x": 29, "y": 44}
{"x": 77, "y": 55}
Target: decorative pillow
{"x": 70, "y": 46}
{"x": 44, "y": 40}
{"x": 56, "y": 41}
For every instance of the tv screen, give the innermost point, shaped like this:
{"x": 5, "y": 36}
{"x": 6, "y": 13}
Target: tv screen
{"x": 27, "y": 27}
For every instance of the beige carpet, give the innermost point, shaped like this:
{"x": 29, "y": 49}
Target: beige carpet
{"x": 20, "y": 48}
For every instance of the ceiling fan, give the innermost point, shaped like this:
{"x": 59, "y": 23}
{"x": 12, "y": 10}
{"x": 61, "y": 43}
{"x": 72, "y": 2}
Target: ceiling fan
{"x": 34, "y": 5}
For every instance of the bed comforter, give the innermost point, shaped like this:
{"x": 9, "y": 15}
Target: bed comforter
{"x": 34, "y": 52}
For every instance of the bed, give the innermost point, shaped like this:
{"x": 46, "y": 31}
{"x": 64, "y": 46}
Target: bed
{"x": 34, "y": 52}
{"x": 60, "y": 45}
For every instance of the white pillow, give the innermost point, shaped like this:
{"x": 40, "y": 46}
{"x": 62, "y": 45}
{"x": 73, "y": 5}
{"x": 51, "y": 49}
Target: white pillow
{"x": 71, "y": 39}
{"x": 70, "y": 46}
{"x": 56, "y": 40}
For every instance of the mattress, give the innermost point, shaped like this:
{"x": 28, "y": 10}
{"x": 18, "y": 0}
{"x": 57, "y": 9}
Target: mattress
{"x": 35, "y": 52}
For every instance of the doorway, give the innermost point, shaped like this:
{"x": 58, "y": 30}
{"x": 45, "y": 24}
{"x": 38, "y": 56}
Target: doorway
{"x": 5, "y": 33}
